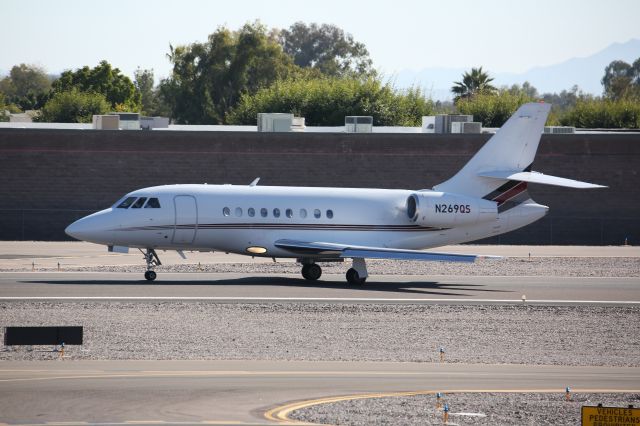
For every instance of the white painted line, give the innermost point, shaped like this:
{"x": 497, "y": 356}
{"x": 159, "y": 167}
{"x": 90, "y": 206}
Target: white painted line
{"x": 318, "y": 299}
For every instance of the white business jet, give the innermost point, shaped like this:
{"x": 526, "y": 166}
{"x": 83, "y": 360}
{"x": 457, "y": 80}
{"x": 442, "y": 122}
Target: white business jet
{"x": 314, "y": 225}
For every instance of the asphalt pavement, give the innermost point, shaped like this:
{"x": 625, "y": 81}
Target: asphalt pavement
{"x": 234, "y": 287}
{"x": 244, "y": 392}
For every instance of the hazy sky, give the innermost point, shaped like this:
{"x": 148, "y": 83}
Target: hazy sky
{"x": 501, "y": 35}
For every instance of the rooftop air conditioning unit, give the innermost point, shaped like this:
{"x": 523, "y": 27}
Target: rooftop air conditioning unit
{"x": 429, "y": 124}
{"x": 106, "y": 122}
{"x": 559, "y": 130}
{"x": 466, "y": 127}
{"x": 128, "y": 120}
{"x": 443, "y": 121}
{"x": 358, "y": 124}
{"x": 274, "y": 122}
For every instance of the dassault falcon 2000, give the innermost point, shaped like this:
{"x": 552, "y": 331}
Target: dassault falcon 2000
{"x": 488, "y": 196}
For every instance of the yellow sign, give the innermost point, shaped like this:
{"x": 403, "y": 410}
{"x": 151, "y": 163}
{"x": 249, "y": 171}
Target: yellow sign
{"x": 610, "y": 416}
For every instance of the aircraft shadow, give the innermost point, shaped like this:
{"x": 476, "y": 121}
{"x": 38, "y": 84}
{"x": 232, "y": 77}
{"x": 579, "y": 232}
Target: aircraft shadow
{"x": 410, "y": 287}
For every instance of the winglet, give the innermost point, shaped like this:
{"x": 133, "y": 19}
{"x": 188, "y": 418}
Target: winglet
{"x": 255, "y": 182}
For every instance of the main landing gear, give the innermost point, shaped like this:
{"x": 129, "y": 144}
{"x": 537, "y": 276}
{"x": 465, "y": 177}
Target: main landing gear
{"x": 356, "y": 275}
{"x": 311, "y": 271}
{"x": 152, "y": 260}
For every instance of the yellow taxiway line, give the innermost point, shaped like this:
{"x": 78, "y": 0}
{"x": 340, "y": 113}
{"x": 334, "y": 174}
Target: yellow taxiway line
{"x": 281, "y": 413}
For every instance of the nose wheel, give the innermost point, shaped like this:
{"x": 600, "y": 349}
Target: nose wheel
{"x": 152, "y": 260}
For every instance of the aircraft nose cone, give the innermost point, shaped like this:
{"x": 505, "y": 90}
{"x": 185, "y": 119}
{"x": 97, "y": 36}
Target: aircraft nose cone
{"x": 94, "y": 228}
{"x": 77, "y": 230}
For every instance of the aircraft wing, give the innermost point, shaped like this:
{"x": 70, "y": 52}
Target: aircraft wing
{"x": 345, "y": 251}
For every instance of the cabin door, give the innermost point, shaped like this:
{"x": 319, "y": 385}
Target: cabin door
{"x": 186, "y": 224}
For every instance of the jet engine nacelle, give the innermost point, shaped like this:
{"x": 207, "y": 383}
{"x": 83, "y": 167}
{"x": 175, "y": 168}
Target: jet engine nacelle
{"x": 441, "y": 209}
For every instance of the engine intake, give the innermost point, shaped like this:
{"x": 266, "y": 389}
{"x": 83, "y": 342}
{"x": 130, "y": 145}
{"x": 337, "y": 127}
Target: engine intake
{"x": 441, "y": 209}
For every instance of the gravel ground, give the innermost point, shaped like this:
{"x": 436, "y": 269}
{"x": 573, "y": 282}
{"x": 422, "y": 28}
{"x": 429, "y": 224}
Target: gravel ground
{"x": 465, "y": 409}
{"x": 545, "y": 266}
{"x": 560, "y": 335}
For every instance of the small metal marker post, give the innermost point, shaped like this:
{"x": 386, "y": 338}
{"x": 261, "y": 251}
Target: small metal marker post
{"x": 445, "y": 416}
{"x": 61, "y": 350}
{"x": 441, "y": 354}
{"x": 524, "y": 299}
{"x": 33, "y": 266}
{"x": 438, "y": 400}
{"x": 58, "y": 266}
{"x": 567, "y": 394}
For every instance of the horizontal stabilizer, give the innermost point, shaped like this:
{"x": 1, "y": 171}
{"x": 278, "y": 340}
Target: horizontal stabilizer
{"x": 344, "y": 251}
{"x": 536, "y": 177}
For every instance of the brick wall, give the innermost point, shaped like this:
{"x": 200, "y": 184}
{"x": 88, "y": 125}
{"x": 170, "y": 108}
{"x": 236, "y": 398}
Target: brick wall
{"x": 48, "y": 178}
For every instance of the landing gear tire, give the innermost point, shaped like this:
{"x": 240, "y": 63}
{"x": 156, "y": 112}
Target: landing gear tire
{"x": 353, "y": 277}
{"x": 150, "y": 275}
{"x": 311, "y": 272}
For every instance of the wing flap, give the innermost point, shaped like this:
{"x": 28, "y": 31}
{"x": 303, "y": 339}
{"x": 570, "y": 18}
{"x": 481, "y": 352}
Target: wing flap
{"x": 344, "y": 251}
{"x": 536, "y": 177}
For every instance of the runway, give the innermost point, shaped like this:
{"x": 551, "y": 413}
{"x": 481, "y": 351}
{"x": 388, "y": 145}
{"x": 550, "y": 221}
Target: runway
{"x": 240, "y": 288}
{"x": 82, "y": 391}
{"x": 241, "y": 392}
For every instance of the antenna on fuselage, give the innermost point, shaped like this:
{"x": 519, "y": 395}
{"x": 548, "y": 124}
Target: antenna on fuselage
{"x": 255, "y": 182}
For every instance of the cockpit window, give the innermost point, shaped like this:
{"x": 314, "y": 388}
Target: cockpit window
{"x": 139, "y": 203}
{"x": 126, "y": 203}
{"x": 153, "y": 203}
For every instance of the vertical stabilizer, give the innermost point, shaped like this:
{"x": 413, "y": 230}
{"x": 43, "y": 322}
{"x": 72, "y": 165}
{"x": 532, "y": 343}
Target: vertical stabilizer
{"x": 512, "y": 148}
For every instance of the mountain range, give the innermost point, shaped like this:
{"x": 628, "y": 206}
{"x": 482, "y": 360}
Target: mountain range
{"x": 585, "y": 72}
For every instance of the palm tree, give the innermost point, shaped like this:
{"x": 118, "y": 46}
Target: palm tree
{"x": 472, "y": 84}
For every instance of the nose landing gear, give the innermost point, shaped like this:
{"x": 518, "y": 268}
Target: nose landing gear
{"x": 152, "y": 260}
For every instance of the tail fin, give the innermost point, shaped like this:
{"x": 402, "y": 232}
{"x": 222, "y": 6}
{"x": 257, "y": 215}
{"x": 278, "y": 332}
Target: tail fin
{"x": 512, "y": 149}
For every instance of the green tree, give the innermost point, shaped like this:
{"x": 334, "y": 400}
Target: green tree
{"x": 74, "y": 106}
{"x": 476, "y": 82}
{"x": 527, "y": 89}
{"x": 603, "y": 113}
{"x": 4, "y": 112}
{"x": 209, "y": 78}
{"x": 622, "y": 80}
{"x": 326, "y": 101}
{"x": 143, "y": 81}
{"x": 327, "y": 49}
{"x": 493, "y": 110}
{"x": 117, "y": 88}
{"x": 26, "y": 86}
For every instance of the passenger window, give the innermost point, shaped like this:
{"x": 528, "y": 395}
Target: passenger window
{"x": 289, "y": 213}
{"x": 139, "y": 203}
{"x": 330, "y": 214}
{"x": 263, "y": 212}
{"x": 276, "y": 212}
{"x": 126, "y": 203}
{"x": 153, "y": 203}
{"x": 238, "y": 212}
{"x": 303, "y": 213}
{"x": 226, "y": 211}
{"x": 251, "y": 212}
{"x": 317, "y": 214}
